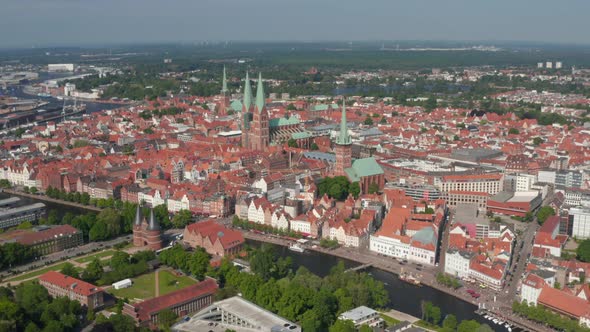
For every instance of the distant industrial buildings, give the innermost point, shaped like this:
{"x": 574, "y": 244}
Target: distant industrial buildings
{"x": 56, "y": 67}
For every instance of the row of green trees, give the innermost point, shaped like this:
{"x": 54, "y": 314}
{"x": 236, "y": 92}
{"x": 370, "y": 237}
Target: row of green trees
{"x": 338, "y": 187}
{"x": 447, "y": 280}
{"x": 313, "y": 301}
{"x": 432, "y": 314}
{"x": 544, "y": 316}
{"x": 29, "y": 308}
{"x": 14, "y": 253}
{"x": 248, "y": 225}
{"x": 195, "y": 263}
{"x": 122, "y": 266}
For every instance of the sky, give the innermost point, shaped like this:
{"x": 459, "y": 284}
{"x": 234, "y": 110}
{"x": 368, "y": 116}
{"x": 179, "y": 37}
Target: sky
{"x": 82, "y": 22}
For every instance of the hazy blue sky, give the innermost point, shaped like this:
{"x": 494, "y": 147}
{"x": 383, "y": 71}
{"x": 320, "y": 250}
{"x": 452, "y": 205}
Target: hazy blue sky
{"x": 58, "y": 22}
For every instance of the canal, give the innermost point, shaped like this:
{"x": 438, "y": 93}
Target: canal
{"x": 402, "y": 296}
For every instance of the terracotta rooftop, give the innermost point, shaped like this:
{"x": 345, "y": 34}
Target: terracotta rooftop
{"x": 563, "y": 302}
{"x": 149, "y": 307}
{"x": 67, "y": 282}
{"x": 211, "y": 229}
{"x": 46, "y": 235}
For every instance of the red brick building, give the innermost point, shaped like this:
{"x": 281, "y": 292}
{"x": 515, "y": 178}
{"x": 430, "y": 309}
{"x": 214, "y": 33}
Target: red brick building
{"x": 182, "y": 302}
{"x": 147, "y": 233}
{"x": 58, "y": 284}
{"x": 217, "y": 239}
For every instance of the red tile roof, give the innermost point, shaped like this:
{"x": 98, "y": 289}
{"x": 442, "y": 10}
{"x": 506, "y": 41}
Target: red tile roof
{"x": 43, "y": 236}
{"x": 75, "y": 285}
{"x": 211, "y": 229}
{"x": 563, "y": 302}
{"x": 152, "y": 306}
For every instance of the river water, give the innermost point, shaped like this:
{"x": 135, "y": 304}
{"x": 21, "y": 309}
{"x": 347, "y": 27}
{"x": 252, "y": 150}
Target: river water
{"x": 402, "y": 296}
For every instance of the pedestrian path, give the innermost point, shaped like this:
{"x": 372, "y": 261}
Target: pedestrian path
{"x": 401, "y": 316}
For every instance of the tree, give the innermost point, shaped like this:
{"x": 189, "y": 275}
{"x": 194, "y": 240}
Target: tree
{"x": 93, "y": 271}
{"x": 583, "y": 251}
{"x": 355, "y": 189}
{"x": 291, "y": 107}
{"x": 368, "y": 121}
{"x": 468, "y": 326}
{"x": 33, "y": 190}
{"x": 513, "y": 131}
{"x": 166, "y": 318}
{"x": 33, "y": 298}
{"x": 336, "y": 191}
{"x": 198, "y": 263}
{"x": 343, "y": 326}
{"x": 538, "y": 141}
{"x": 292, "y": 143}
{"x": 182, "y": 218}
{"x": 430, "y": 104}
{"x": 544, "y": 213}
{"x": 450, "y": 322}
{"x": 484, "y": 328}
{"x": 69, "y": 270}
{"x": 314, "y": 147}
{"x": 435, "y": 315}
{"x": 111, "y": 218}
{"x": 373, "y": 188}
{"x": 262, "y": 262}
{"x": 120, "y": 259}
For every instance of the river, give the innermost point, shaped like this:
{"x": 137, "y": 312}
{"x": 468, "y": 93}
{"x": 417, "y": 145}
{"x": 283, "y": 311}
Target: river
{"x": 402, "y": 296}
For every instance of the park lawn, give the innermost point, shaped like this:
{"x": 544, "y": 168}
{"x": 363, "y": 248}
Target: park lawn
{"x": 37, "y": 273}
{"x": 101, "y": 254}
{"x": 143, "y": 288}
{"x": 170, "y": 283}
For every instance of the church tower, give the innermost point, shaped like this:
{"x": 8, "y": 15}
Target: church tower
{"x": 147, "y": 233}
{"x": 224, "y": 95}
{"x": 246, "y": 112}
{"x": 260, "y": 135}
{"x": 343, "y": 146}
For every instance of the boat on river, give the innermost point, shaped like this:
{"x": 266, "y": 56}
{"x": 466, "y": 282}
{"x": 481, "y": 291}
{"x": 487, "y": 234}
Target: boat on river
{"x": 295, "y": 247}
{"x": 410, "y": 279}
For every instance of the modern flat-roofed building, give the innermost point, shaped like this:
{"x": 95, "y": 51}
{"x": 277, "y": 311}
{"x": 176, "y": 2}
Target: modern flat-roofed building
{"x": 58, "y": 284}
{"x": 182, "y": 302}
{"x": 490, "y": 183}
{"x": 515, "y": 204}
{"x": 363, "y": 316}
{"x": 16, "y": 216}
{"x": 236, "y": 314}
{"x": 579, "y": 223}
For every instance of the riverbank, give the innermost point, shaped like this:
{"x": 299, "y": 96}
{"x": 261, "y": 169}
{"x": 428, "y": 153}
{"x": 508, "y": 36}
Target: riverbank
{"x": 52, "y": 200}
{"x": 427, "y": 276}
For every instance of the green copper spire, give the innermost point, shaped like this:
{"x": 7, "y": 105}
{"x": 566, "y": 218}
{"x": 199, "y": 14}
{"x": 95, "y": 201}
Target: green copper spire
{"x": 343, "y": 138}
{"x": 224, "y": 83}
{"x": 260, "y": 94}
{"x": 247, "y": 93}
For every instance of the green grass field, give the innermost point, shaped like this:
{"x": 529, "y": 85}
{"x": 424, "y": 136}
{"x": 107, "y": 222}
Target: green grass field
{"x": 101, "y": 254}
{"x": 170, "y": 283}
{"x": 37, "y": 273}
{"x": 144, "y": 286}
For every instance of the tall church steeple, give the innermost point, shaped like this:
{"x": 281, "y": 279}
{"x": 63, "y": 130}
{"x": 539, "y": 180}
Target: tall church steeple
{"x": 247, "y": 94}
{"x": 224, "y": 83}
{"x": 343, "y": 137}
{"x": 343, "y": 146}
{"x": 260, "y": 94}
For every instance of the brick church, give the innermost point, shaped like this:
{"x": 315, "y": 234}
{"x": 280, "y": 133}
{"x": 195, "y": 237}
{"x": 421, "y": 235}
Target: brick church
{"x": 365, "y": 171}
{"x": 255, "y": 124}
{"x": 147, "y": 233}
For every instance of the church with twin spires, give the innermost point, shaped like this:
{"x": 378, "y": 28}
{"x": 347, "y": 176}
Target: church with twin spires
{"x": 254, "y": 118}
